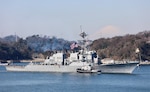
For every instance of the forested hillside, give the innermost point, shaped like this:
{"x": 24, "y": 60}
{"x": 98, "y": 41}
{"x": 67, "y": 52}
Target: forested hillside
{"x": 15, "y": 48}
{"x": 42, "y": 44}
{"x": 123, "y": 47}
{"x": 118, "y": 48}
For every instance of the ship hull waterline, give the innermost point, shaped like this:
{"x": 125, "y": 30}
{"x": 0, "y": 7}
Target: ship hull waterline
{"x": 118, "y": 68}
{"x": 109, "y": 68}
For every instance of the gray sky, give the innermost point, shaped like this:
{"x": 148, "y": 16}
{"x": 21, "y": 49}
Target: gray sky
{"x": 62, "y": 18}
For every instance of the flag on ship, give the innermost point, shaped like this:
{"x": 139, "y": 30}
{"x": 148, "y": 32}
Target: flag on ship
{"x": 73, "y": 45}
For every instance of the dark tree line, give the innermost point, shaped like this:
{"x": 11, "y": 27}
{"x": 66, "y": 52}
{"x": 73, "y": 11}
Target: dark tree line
{"x": 15, "y": 51}
{"x": 15, "y": 48}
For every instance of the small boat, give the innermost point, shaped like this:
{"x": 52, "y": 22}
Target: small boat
{"x": 3, "y": 64}
{"x": 87, "y": 69}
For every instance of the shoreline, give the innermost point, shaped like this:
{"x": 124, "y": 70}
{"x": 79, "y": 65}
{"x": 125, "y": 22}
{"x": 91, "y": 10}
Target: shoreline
{"x": 145, "y": 63}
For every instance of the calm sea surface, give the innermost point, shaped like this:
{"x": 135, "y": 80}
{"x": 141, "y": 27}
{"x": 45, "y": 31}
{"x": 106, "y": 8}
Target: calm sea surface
{"x": 139, "y": 81}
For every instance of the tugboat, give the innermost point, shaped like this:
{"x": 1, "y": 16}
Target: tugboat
{"x": 3, "y": 63}
{"x": 88, "y": 69}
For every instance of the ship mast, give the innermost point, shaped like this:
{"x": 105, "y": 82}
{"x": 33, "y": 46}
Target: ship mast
{"x": 83, "y": 42}
{"x": 83, "y": 35}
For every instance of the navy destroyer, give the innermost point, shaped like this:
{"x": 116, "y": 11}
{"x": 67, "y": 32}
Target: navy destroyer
{"x": 61, "y": 62}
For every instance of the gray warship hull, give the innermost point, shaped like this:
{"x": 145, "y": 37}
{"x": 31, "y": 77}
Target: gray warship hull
{"x": 105, "y": 68}
{"x": 117, "y": 68}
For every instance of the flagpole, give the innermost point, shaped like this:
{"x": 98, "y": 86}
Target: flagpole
{"x": 139, "y": 54}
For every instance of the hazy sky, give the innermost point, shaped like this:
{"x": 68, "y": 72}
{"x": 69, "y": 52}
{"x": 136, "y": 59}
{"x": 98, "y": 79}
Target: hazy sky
{"x": 62, "y": 18}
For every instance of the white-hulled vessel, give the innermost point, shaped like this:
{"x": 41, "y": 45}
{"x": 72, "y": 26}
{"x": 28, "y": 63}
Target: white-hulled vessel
{"x": 3, "y": 64}
{"x": 61, "y": 62}
{"x": 55, "y": 63}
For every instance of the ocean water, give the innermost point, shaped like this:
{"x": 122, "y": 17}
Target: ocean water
{"x": 139, "y": 81}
